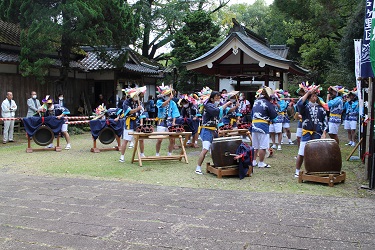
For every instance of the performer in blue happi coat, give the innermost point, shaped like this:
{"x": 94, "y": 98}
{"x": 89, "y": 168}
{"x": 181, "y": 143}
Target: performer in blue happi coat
{"x": 167, "y": 114}
{"x": 262, "y": 113}
{"x": 336, "y": 106}
{"x": 50, "y": 109}
{"x": 212, "y": 113}
{"x": 276, "y": 125}
{"x": 352, "y": 110}
{"x": 231, "y": 117}
{"x": 132, "y": 109}
{"x": 313, "y": 121}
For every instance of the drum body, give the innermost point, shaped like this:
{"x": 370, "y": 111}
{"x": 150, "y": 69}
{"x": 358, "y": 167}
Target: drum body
{"x": 222, "y": 147}
{"x": 107, "y": 135}
{"x": 322, "y": 156}
{"x": 43, "y": 136}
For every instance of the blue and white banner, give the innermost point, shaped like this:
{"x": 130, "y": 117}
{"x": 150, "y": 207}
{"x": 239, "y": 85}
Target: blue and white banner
{"x": 357, "y": 64}
{"x": 366, "y": 70}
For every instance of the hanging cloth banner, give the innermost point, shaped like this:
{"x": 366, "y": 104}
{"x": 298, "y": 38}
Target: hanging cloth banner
{"x": 357, "y": 64}
{"x": 366, "y": 70}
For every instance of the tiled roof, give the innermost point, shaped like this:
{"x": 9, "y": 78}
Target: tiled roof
{"x": 6, "y": 56}
{"x": 92, "y": 62}
{"x": 254, "y": 45}
{"x": 9, "y": 33}
{"x": 259, "y": 47}
{"x": 281, "y": 50}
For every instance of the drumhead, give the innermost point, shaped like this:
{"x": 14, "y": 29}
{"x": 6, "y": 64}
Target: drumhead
{"x": 43, "y": 136}
{"x": 320, "y": 141}
{"x": 107, "y": 135}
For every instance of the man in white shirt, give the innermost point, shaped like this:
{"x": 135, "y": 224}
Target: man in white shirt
{"x": 8, "y": 110}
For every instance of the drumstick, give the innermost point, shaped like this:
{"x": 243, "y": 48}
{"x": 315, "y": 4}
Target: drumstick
{"x": 356, "y": 146}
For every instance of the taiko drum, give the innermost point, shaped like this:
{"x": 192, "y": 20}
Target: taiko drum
{"x": 322, "y": 156}
{"x": 222, "y": 147}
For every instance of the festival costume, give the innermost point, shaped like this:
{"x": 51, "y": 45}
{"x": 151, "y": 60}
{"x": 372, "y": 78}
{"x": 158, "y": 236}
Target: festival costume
{"x": 212, "y": 114}
{"x": 131, "y": 120}
{"x": 166, "y": 114}
{"x": 262, "y": 113}
{"x": 230, "y": 118}
{"x": 313, "y": 122}
{"x": 188, "y": 114}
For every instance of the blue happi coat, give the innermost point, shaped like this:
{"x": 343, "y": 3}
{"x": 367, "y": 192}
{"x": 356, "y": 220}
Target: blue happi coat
{"x": 167, "y": 113}
{"x": 313, "y": 120}
{"x": 352, "y": 110}
{"x": 336, "y": 107}
{"x": 131, "y": 120}
{"x": 230, "y": 117}
{"x": 262, "y": 113}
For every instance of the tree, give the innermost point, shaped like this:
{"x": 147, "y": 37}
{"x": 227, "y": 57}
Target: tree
{"x": 161, "y": 19}
{"x": 317, "y": 31}
{"x": 198, "y": 35}
{"x": 61, "y": 26}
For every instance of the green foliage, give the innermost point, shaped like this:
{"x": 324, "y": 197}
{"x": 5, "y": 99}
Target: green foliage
{"x": 197, "y": 37}
{"x": 321, "y": 31}
{"x": 59, "y": 27}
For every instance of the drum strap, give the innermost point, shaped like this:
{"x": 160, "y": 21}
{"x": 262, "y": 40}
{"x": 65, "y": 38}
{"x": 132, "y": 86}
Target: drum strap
{"x": 281, "y": 113}
{"x": 305, "y": 131}
{"x": 127, "y": 121}
{"x": 232, "y": 121}
{"x": 260, "y": 120}
{"x": 337, "y": 115}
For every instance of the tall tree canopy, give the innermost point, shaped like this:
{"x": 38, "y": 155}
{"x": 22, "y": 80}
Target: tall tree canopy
{"x": 197, "y": 36}
{"x": 318, "y": 30}
{"x": 61, "y": 26}
{"x": 161, "y": 19}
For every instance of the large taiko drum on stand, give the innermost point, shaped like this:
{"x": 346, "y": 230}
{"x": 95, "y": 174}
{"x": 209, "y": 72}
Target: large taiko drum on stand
{"x": 322, "y": 157}
{"x": 222, "y": 147}
{"x": 43, "y": 136}
{"x": 107, "y": 135}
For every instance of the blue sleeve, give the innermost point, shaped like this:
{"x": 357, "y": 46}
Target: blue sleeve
{"x": 159, "y": 103}
{"x": 301, "y": 106}
{"x": 212, "y": 110}
{"x": 125, "y": 107}
{"x": 334, "y": 102}
{"x": 174, "y": 110}
{"x": 283, "y": 105}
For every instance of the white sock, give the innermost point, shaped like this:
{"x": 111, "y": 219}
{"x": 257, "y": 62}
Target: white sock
{"x": 297, "y": 171}
{"x": 290, "y": 140}
{"x": 196, "y": 142}
{"x": 122, "y": 157}
{"x": 254, "y": 162}
{"x": 157, "y": 154}
{"x": 261, "y": 164}
{"x": 188, "y": 142}
{"x": 198, "y": 168}
{"x": 169, "y": 153}
{"x": 143, "y": 155}
{"x": 68, "y": 145}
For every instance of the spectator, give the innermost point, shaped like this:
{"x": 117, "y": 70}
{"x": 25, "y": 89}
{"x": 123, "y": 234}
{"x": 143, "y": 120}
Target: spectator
{"x": 8, "y": 110}
{"x": 33, "y": 105}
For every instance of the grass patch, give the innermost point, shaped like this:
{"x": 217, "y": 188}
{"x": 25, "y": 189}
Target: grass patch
{"x": 80, "y": 162}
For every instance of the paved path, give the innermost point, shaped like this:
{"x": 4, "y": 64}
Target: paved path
{"x": 66, "y": 213}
